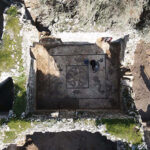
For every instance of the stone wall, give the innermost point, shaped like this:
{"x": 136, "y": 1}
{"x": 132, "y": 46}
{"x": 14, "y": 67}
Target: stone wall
{"x": 26, "y": 35}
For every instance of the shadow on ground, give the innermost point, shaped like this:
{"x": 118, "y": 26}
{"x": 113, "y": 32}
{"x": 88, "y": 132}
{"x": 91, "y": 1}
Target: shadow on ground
{"x": 145, "y": 114}
{"x": 6, "y": 95}
{"x": 145, "y": 77}
{"x": 76, "y": 140}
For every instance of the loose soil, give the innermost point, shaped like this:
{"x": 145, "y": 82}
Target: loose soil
{"x": 141, "y": 84}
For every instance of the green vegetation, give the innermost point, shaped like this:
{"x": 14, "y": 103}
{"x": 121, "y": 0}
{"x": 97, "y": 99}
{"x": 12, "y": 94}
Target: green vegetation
{"x": 2, "y": 121}
{"x": 11, "y": 58}
{"x": 10, "y": 52}
{"x": 16, "y": 127}
{"x": 122, "y": 128}
{"x": 20, "y": 99}
{"x": 12, "y": 11}
{"x": 9, "y": 136}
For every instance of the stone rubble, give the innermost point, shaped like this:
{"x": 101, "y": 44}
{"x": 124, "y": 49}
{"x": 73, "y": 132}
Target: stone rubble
{"x": 55, "y": 125}
{"x": 30, "y": 35}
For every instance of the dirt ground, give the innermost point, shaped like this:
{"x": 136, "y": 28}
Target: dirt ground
{"x": 76, "y": 140}
{"x": 141, "y": 84}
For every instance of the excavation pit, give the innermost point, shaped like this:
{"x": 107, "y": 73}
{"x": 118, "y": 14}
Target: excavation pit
{"x": 64, "y": 81}
{"x": 74, "y": 140}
